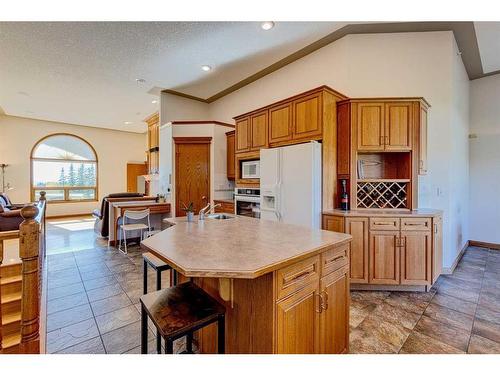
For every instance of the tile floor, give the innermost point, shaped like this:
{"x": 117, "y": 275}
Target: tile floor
{"x": 94, "y": 293}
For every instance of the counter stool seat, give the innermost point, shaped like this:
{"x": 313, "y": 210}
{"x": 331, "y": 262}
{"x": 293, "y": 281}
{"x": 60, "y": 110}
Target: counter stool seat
{"x": 180, "y": 311}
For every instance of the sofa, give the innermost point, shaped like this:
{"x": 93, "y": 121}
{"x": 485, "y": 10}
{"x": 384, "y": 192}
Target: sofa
{"x": 10, "y": 214}
{"x": 101, "y": 225}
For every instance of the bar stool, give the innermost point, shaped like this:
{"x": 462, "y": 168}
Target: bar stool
{"x": 180, "y": 311}
{"x": 159, "y": 266}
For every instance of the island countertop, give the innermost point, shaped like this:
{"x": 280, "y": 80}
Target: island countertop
{"x": 239, "y": 247}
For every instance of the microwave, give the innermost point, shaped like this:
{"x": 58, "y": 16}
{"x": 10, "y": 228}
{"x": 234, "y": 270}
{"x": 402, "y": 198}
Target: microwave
{"x": 250, "y": 169}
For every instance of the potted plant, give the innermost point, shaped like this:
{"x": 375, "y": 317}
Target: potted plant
{"x": 189, "y": 210}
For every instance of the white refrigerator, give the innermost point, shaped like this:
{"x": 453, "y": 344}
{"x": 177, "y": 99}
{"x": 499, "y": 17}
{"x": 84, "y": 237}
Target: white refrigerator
{"x": 290, "y": 184}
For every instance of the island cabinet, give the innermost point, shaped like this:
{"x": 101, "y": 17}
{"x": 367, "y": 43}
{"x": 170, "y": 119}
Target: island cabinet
{"x": 390, "y": 249}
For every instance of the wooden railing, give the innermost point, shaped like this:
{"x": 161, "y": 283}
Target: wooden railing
{"x": 31, "y": 235}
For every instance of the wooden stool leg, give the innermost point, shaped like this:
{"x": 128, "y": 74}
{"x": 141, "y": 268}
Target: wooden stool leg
{"x": 221, "y": 337}
{"x": 189, "y": 343}
{"x": 144, "y": 331}
{"x": 145, "y": 278}
{"x": 169, "y": 346}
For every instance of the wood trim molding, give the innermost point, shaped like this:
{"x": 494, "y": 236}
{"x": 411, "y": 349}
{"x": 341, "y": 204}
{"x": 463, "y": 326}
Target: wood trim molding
{"x": 488, "y": 245}
{"x": 464, "y": 33}
{"x": 200, "y": 122}
{"x": 152, "y": 119}
{"x": 86, "y": 215}
{"x": 178, "y": 140}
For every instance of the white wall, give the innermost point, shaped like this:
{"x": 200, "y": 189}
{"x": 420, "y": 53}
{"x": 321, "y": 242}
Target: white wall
{"x": 485, "y": 159}
{"x": 405, "y": 64}
{"x": 114, "y": 149}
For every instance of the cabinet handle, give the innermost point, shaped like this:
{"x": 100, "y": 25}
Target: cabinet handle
{"x": 402, "y": 241}
{"x": 435, "y": 228}
{"x": 299, "y": 276}
{"x": 324, "y": 300}
{"x": 398, "y": 242}
{"x": 332, "y": 260}
{"x": 319, "y": 303}
{"x": 386, "y": 140}
{"x": 382, "y": 140}
{"x": 383, "y": 223}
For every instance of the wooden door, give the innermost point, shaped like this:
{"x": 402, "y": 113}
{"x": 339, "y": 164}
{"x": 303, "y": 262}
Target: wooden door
{"x": 192, "y": 172}
{"x": 416, "y": 259}
{"x": 398, "y": 126}
{"x": 242, "y": 135}
{"x": 280, "y": 123}
{"x": 422, "y": 151}
{"x": 437, "y": 248}
{"x": 135, "y": 170}
{"x": 298, "y": 322}
{"x": 384, "y": 257}
{"x": 357, "y": 227}
{"x": 307, "y": 116}
{"x": 370, "y": 126}
{"x": 230, "y": 162}
{"x": 334, "y": 319}
{"x": 258, "y": 131}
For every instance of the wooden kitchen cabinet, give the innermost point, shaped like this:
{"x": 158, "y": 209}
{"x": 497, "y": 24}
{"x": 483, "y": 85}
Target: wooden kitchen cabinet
{"x": 258, "y": 131}
{"x": 226, "y": 207}
{"x": 416, "y": 257}
{"x": 243, "y": 136}
{"x": 334, "y": 319}
{"x": 437, "y": 248}
{"x": 307, "y": 116}
{"x": 422, "y": 138}
{"x": 384, "y": 257}
{"x": 333, "y": 223}
{"x": 357, "y": 227}
{"x": 298, "y": 322}
{"x": 280, "y": 123}
{"x": 370, "y": 126}
{"x": 230, "y": 161}
{"x": 398, "y": 129}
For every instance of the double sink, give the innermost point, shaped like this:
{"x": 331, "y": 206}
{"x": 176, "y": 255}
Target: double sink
{"x": 219, "y": 216}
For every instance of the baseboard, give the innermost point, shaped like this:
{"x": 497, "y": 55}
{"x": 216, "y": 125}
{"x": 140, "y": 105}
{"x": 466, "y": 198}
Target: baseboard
{"x": 488, "y": 245}
{"x": 68, "y": 216}
{"x": 449, "y": 270}
{"x": 392, "y": 288}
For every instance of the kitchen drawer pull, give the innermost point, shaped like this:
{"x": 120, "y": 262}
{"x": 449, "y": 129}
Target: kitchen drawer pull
{"x": 383, "y": 223}
{"x": 333, "y": 260}
{"x": 319, "y": 303}
{"x": 324, "y": 300}
{"x": 299, "y": 276}
{"x": 414, "y": 224}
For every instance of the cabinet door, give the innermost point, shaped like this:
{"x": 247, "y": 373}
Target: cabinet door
{"x": 422, "y": 151}
{"x": 370, "y": 126}
{"x": 398, "y": 126}
{"x": 437, "y": 248}
{"x": 230, "y": 162}
{"x": 297, "y": 319}
{"x": 416, "y": 259}
{"x": 258, "y": 130}
{"x": 307, "y": 117}
{"x": 358, "y": 228}
{"x": 334, "y": 319}
{"x": 280, "y": 123}
{"x": 333, "y": 223}
{"x": 384, "y": 257}
{"x": 242, "y": 135}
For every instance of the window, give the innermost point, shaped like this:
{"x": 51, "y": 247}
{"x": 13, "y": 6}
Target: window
{"x": 65, "y": 166}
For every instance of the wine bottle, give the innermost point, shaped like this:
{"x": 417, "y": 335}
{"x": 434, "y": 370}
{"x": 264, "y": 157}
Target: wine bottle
{"x": 344, "y": 197}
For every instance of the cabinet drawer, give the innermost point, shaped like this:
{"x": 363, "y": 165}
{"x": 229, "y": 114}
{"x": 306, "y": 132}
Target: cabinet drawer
{"x": 292, "y": 278}
{"x": 416, "y": 223}
{"x": 334, "y": 259}
{"x": 384, "y": 223}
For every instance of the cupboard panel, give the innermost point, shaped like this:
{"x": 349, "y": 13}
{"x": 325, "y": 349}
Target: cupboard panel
{"x": 243, "y": 135}
{"x": 258, "y": 132}
{"x": 384, "y": 257}
{"x": 307, "y": 116}
{"x": 230, "y": 162}
{"x": 370, "y": 126}
{"x": 416, "y": 258}
{"x": 358, "y": 229}
{"x": 422, "y": 152}
{"x": 398, "y": 126}
{"x": 280, "y": 123}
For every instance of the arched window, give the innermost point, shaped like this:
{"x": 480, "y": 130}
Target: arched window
{"x": 65, "y": 166}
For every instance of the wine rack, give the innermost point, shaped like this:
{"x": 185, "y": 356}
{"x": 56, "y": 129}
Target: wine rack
{"x": 382, "y": 194}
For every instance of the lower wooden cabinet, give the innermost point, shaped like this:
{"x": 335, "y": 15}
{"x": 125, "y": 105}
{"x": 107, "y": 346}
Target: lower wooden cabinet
{"x": 384, "y": 257}
{"x": 225, "y": 206}
{"x": 392, "y": 250}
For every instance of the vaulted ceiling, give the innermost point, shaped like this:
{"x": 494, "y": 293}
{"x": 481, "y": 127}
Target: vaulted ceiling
{"x": 110, "y": 74}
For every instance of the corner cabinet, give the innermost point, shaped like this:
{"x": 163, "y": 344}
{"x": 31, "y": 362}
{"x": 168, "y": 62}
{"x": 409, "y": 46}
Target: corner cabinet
{"x": 230, "y": 155}
{"x": 390, "y": 250}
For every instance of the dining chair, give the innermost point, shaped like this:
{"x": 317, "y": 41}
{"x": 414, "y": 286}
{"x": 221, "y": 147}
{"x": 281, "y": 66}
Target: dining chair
{"x": 133, "y": 226}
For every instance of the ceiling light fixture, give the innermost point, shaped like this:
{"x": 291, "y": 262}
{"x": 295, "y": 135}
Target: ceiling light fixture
{"x": 154, "y": 101}
{"x": 128, "y": 122}
{"x": 268, "y": 25}
{"x": 140, "y": 80}
{"x": 206, "y": 68}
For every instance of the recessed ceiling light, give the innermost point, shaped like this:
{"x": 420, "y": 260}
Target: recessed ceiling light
{"x": 268, "y": 25}
{"x": 140, "y": 80}
{"x": 154, "y": 101}
{"x": 128, "y": 122}
{"x": 23, "y": 93}
{"x": 206, "y": 68}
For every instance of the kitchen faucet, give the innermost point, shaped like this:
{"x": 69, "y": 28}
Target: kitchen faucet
{"x": 207, "y": 209}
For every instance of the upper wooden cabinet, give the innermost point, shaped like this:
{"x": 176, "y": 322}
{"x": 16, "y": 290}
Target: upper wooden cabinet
{"x": 398, "y": 126}
{"x": 152, "y": 152}
{"x": 422, "y": 138}
{"x": 243, "y": 135}
{"x": 230, "y": 163}
{"x": 258, "y": 131}
{"x": 280, "y": 123}
{"x": 307, "y": 116}
{"x": 370, "y": 126}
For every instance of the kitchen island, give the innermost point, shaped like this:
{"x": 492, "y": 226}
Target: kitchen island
{"x": 285, "y": 287}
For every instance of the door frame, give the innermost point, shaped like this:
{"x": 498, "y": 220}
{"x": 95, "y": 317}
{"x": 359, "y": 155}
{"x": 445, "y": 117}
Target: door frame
{"x": 191, "y": 140}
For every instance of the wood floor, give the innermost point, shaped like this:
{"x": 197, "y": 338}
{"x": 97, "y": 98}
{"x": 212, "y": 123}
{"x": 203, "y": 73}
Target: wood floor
{"x": 94, "y": 291}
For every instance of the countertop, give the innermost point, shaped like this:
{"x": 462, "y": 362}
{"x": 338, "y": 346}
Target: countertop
{"x": 240, "y": 247}
{"x": 421, "y": 212}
